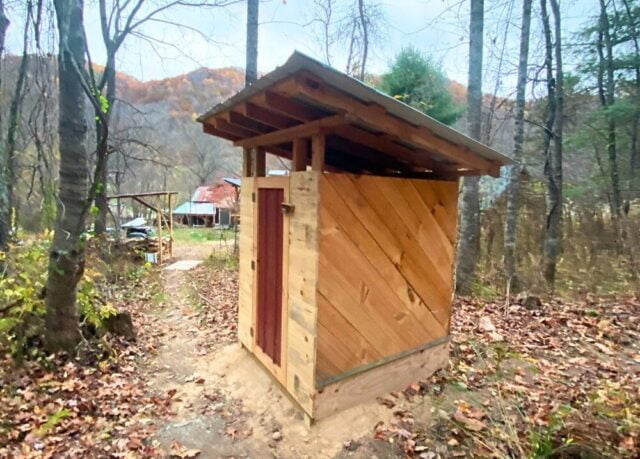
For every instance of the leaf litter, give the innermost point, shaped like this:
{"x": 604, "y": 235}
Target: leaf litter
{"x": 564, "y": 378}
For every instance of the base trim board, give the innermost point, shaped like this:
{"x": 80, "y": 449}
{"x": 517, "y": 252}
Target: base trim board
{"x": 390, "y": 358}
{"x": 380, "y": 380}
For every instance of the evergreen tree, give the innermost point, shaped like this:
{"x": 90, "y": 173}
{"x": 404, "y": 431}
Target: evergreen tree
{"x": 417, "y": 80}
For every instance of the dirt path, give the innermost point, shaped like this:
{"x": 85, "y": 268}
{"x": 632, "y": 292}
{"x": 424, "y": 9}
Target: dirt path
{"x": 225, "y": 405}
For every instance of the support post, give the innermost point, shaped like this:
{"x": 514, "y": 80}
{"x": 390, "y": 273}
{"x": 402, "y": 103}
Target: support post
{"x": 246, "y": 162}
{"x": 317, "y": 152}
{"x": 300, "y": 147}
{"x": 170, "y": 227}
{"x": 260, "y": 163}
{"x": 159, "y": 220}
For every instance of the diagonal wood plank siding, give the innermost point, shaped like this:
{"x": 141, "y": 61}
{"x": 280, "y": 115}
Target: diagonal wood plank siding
{"x": 386, "y": 267}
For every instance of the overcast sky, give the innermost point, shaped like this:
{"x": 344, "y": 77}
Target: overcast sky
{"x": 437, "y": 27}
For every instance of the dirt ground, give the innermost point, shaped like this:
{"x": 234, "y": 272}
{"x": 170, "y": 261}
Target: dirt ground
{"x": 225, "y": 405}
{"x": 524, "y": 380}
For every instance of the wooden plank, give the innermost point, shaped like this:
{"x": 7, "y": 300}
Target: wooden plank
{"x": 357, "y": 290}
{"x": 300, "y": 153}
{"x": 240, "y": 120}
{"x": 344, "y": 216}
{"x": 420, "y": 222}
{"x": 391, "y": 216}
{"x": 369, "y": 156}
{"x": 445, "y": 210}
{"x": 394, "y": 376}
{"x": 387, "y": 145}
{"x": 302, "y": 288}
{"x": 142, "y": 195}
{"x": 245, "y": 275}
{"x": 289, "y": 134}
{"x": 223, "y": 125}
{"x": 211, "y": 129}
{"x": 260, "y": 162}
{"x": 160, "y": 244}
{"x": 246, "y": 162}
{"x": 266, "y": 116}
{"x": 170, "y": 223}
{"x": 339, "y": 351}
{"x": 289, "y": 107}
{"x": 318, "y": 149}
{"x": 380, "y": 218}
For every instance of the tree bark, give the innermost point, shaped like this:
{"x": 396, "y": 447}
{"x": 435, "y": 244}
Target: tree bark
{"x": 10, "y": 162}
{"x": 514, "y": 172}
{"x": 66, "y": 261}
{"x": 634, "y": 161}
{"x": 607, "y": 98}
{"x": 103, "y": 126}
{"x": 251, "y": 71}
{"x": 553, "y": 157}
{"x": 469, "y": 234}
{"x": 4, "y": 198}
{"x": 365, "y": 38}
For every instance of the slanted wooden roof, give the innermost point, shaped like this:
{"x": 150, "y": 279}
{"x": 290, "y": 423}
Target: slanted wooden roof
{"x": 366, "y": 131}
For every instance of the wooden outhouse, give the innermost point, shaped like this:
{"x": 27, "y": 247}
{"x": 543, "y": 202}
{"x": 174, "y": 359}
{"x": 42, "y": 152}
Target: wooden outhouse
{"x": 346, "y": 264}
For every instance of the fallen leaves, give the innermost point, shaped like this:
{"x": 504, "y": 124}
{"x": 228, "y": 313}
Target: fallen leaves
{"x": 470, "y": 417}
{"x": 564, "y": 371}
{"x": 179, "y": 451}
{"x": 216, "y": 290}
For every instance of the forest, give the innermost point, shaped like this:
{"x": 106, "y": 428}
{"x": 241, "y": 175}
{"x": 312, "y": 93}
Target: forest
{"x": 106, "y": 354}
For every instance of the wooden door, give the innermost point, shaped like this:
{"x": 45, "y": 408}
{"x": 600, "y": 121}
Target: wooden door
{"x": 270, "y": 270}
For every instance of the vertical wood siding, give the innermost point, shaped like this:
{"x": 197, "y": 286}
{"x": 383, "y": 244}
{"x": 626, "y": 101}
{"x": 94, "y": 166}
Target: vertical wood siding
{"x": 302, "y": 287}
{"x": 245, "y": 303}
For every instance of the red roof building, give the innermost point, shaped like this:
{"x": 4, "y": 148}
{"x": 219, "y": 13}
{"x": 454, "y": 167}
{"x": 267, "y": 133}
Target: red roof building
{"x": 223, "y": 195}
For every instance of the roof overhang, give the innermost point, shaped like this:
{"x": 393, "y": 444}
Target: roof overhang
{"x": 366, "y": 130}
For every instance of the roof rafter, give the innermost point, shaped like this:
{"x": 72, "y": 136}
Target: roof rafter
{"x": 266, "y": 116}
{"x": 310, "y": 86}
{"x": 288, "y": 107}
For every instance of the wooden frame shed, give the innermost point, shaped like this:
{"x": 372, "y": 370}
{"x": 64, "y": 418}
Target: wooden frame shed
{"x": 346, "y": 265}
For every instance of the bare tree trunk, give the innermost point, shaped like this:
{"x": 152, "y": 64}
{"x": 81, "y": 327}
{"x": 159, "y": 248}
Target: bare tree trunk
{"x": 635, "y": 146}
{"x": 66, "y": 262}
{"x": 365, "y": 38}
{"x": 251, "y": 71}
{"x": 513, "y": 185}
{"x": 4, "y": 24}
{"x": 607, "y": 98}
{"x": 4, "y": 198}
{"x": 11, "y": 164}
{"x": 553, "y": 160}
{"x": 469, "y": 234}
{"x": 101, "y": 173}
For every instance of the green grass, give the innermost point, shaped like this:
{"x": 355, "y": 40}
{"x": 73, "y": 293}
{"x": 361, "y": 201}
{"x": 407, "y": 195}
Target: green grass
{"x": 202, "y": 234}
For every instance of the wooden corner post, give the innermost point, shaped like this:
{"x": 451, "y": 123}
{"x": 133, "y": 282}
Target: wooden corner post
{"x": 247, "y": 160}
{"x": 300, "y": 151}
{"x": 159, "y": 221}
{"x": 318, "y": 142}
{"x": 260, "y": 156}
{"x": 170, "y": 224}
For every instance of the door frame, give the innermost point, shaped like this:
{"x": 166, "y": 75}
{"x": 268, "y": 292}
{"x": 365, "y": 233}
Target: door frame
{"x": 280, "y": 372}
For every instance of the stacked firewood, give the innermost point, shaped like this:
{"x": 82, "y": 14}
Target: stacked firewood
{"x": 147, "y": 245}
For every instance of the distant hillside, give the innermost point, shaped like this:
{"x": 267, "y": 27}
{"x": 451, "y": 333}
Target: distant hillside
{"x": 184, "y": 95}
